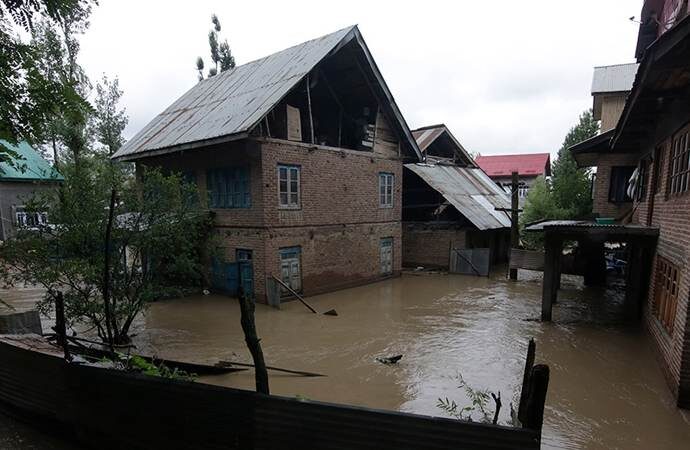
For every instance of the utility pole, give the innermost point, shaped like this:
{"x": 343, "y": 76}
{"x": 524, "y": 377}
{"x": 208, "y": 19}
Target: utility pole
{"x": 514, "y": 232}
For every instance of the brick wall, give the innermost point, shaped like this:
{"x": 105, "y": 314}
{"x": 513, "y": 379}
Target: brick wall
{"x": 338, "y": 226}
{"x": 429, "y": 245}
{"x": 601, "y": 204}
{"x": 671, "y": 216}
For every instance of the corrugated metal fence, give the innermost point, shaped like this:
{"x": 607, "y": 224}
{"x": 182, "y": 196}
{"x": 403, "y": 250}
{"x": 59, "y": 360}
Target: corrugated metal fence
{"x": 110, "y": 409}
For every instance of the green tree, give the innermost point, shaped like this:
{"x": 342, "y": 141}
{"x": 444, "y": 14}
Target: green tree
{"x": 109, "y": 255}
{"x": 571, "y": 186}
{"x": 27, "y": 97}
{"x": 221, "y": 55}
{"x": 109, "y": 120}
{"x": 539, "y": 205}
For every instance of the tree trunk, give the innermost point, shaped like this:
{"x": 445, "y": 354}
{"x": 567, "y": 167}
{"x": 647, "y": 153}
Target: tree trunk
{"x": 247, "y": 307}
{"x": 110, "y": 323}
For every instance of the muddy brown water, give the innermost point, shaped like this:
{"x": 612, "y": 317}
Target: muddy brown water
{"x": 606, "y": 389}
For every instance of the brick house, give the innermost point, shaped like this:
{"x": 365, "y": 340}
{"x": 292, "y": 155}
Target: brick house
{"x": 529, "y": 166}
{"x": 654, "y": 132}
{"x": 610, "y": 88}
{"x": 449, "y": 203}
{"x": 299, "y": 155}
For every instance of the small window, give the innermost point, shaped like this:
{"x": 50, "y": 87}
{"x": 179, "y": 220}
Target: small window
{"x": 228, "y": 188}
{"x": 289, "y": 186}
{"x": 679, "y": 164}
{"x": 386, "y": 190}
{"x": 26, "y": 219}
{"x": 666, "y": 288}
{"x": 618, "y": 187}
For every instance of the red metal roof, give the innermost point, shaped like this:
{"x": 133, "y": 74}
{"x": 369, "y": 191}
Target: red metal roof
{"x": 527, "y": 164}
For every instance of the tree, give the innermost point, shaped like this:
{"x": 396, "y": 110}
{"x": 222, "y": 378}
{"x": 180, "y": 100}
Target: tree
{"x": 221, "y": 55}
{"x": 571, "y": 185}
{"x": 109, "y": 256}
{"x": 28, "y": 98}
{"x": 110, "y": 121}
{"x": 539, "y": 205}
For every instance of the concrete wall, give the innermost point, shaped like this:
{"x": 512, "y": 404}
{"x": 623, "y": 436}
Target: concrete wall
{"x": 16, "y": 193}
{"x": 671, "y": 216}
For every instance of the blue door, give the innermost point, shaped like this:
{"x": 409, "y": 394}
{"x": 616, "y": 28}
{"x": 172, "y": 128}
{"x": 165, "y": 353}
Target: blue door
{"x": 225, "y": 277}
{"x": 244, "y": 259}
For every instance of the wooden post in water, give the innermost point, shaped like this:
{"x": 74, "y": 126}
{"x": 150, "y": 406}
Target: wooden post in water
{"x": 529, "y": 363}
{"x": 514, "y": 231}
{"x": 553, "y": 249}
{"x": 247, "y": 307}
{"x": 536, "y": 398}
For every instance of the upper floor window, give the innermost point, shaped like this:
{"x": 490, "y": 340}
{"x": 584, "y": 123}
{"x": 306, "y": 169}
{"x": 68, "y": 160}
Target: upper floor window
{"x": 228, "y": 188}
{"x": 289, "y": 186}
{"x": 618, "y": 187}
{"x": 386, "y": 190}
{"x": 666, "y": 286}
{"x": 679, "y": 164}
{"x": 641, "y": 182}
{"x": 29, "y": 219}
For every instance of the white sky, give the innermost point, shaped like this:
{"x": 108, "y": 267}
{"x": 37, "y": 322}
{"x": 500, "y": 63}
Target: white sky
{"x": 506, "y": 76}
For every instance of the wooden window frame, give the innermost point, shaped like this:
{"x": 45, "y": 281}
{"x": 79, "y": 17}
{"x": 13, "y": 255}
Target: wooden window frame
{"x": 386, "y": 189}
{"x": 679, "y": 163}
{"x": 613, "y": 169}
{"x": 666, "y": 290}
{"x": 229, "y": 188}
{"x": 290, "y": 197}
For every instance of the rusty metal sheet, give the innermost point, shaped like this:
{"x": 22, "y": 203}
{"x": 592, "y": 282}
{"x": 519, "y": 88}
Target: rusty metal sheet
{"x": 229, "y": 105}
{"x": 233, "y": 101}
{"x": 470, "y": 191}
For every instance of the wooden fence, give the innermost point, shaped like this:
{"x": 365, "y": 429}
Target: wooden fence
{"x": 112, "y": 409}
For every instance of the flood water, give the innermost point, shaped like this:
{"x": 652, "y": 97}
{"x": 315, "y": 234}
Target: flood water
{"x": 606, "y": 389}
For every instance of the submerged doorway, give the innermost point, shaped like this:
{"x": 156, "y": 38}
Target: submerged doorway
{"x": 290, "y": 269}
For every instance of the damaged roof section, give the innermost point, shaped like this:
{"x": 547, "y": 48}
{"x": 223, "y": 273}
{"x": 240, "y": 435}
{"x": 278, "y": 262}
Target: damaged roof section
{"x": 469, "y": 190}
{"x": 437, "y": 143}
{"x": 237, "y": 102}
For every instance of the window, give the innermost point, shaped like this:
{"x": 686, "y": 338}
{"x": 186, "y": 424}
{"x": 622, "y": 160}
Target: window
{"x": 386, "y": 190}
{"x": 658, "y": 164}
{"x": 289, "y": 186}
{"x": 666, "y": 293}
{"x": 228, "y": 188}
{"x": 679, "y": 164}
{"x": 620, "y": 177}
{"x": 26, "y": 219}
{"x": 386, "y": 255}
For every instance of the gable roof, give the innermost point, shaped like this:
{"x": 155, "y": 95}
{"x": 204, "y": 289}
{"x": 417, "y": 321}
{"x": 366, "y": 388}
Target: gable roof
{"x": 229, "y": 105}
{"x": 31, "y": 166}
{"x": 469, "y": 190}
{"x": 526, "y": 164}
{"x": 425, "y": 136}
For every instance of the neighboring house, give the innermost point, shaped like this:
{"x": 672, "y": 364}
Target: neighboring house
{"x": 450, "y": 203}
{"x": 529, "y": 166}
{"x": 654, "y": 131}
{"x": 300, "y": 157}
{"x": 19, "y": 182}
{"x": 610, "y": 88}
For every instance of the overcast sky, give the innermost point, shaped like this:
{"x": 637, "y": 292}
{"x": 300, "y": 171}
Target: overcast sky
{"x": 506, "y": 76}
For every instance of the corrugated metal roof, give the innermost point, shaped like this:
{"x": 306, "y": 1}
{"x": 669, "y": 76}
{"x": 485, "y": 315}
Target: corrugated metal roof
{"x": 31, "y": 167}
{"x": 616, "y": 78}
{"x": 230, "y": 104}
{"x": 470, "y": 191}
{"x": 527, "y": 164}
